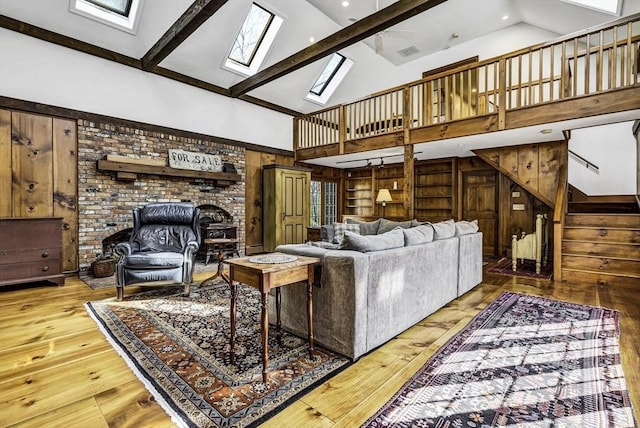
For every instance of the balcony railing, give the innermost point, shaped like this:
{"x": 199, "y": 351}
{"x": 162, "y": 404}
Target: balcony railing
{"x": 591, "y": 62}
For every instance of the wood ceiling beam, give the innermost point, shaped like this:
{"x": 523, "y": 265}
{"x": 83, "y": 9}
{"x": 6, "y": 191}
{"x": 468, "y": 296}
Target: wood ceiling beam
{"x": 68, "y": 42}
{"x": 190, "y": 21}
{"x": 71, "y": 43}
{"x": 360, "y": 30}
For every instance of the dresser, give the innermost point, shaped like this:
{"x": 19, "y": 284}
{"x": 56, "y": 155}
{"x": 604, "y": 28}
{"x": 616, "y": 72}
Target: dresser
{"x": 30, "y": 250}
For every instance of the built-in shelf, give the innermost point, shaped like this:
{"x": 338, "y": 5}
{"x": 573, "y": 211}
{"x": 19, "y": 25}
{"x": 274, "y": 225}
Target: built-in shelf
{"x": 129, "y": 171}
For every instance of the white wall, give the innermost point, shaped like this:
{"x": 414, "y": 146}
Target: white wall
{"x": 34, "y": 70}
{"x": 613, "y": 149}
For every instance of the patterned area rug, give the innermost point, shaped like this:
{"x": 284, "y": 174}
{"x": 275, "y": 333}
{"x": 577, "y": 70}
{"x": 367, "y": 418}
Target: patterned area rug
{"x": 526, "y": 268}
{"x": 179, "y": 348}
{"x": 523, "y": 361}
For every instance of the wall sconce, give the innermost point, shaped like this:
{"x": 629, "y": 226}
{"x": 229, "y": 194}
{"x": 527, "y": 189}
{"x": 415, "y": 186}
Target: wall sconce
{"x": 383, "y": 197}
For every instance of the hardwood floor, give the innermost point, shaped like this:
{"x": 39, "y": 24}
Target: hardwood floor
{"x": 58, "y": 369}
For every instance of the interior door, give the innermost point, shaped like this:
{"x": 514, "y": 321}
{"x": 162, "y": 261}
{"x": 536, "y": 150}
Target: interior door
{"x": 480, "y": 202}
{"x": 294, "y": 209}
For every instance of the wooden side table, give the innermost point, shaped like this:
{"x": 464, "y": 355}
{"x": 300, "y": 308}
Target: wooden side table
{"x": 264, "y": 277}
{"x": 222, "y": 245}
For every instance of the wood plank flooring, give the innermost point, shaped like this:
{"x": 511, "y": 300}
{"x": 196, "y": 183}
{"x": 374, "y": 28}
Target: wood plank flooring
{"x": 57, "y": 369}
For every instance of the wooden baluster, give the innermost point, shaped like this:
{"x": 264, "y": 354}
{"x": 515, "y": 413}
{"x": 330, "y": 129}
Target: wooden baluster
{"x": 587, "y": 66}
{"x": 599, "y": 62}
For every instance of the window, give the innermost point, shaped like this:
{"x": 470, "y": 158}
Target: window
{"x": 329, "y": 79}
{"x": 316, "y": 204}
{"x": 121, "y": 7}
{"x": 253, "y": 41}
{"x": 324, "y": 202}
{"x": 121, "y": 14}
{"x": 327, "y": 74}
{"x": 612, "y": 7}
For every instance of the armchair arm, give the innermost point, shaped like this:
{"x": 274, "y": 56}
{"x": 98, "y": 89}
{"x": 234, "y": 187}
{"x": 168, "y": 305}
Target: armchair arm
{"x": 126, "y": 248}
{"x": 191, "y": 248}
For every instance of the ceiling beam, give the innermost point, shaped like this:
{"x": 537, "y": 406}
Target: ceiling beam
{"x": 360, "y": 30}
{"x": 190, "y": 21}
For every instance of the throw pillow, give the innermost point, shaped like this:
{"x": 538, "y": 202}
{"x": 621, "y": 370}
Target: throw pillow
{"x": 387, "y": 225}
{"x": 367, "y": 243}
{"x": 340, "y": 228}
{"x": 465, "y": 227}
{"x": 418, "y": 235}
{"x": 443, "y": 229}
{"x": 327, "y": 232}
{"x": 366, "y": 227}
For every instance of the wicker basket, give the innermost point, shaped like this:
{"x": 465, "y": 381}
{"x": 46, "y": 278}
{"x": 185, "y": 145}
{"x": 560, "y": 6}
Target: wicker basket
{"x": 103, "y": 268}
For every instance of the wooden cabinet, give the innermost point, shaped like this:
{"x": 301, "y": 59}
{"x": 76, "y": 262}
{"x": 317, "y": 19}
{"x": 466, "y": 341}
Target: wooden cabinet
{"x": 434, "y": 189}
{"x": 286, "y": 193}
{"x": 30, "y": 250}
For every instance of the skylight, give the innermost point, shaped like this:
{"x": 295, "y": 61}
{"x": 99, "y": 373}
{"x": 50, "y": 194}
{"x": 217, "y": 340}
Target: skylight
{"x": 121, "y": 14}
{"x": 612, "y": 7}
{"x": 253, "y": 40}
{"x": 327, "y": 74}
{"x": 121, "y": 7}
{"x": 329, "y": 79}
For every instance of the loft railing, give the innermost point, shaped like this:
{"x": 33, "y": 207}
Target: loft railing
{"x": 586, "y": 63}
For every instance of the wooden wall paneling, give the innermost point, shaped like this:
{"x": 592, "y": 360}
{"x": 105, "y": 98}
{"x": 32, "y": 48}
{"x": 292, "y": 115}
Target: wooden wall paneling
{"x": 504, "y": 214}
{"x": 551, "y": 157}
{"x": 509, "y": 160}
{"x": 32, "y": 163}
{"x": 65, "y": 188}
{"x": 528, "y": 162}
{"x": 5, "y": 164}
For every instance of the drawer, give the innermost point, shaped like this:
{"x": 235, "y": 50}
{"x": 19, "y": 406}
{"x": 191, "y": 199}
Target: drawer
{"x": 30, "y": 233}
{"x": 32, "y": 255}
{"x": 30, "y": 270}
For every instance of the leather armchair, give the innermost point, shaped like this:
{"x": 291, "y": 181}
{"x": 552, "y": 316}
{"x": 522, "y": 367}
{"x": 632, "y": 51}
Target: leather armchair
{"x": 163, "y": 246}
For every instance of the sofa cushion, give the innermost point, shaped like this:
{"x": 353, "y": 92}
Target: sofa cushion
{"x": 418, "y": 235}
{"x": 340, "y": 228}
{"x": 443, "y": 229}
{"x": 148, "y": 260}
{"x": 326, "y": 245}
{"x": 326, "y": 232}
{"x": 367, "y": 243}
{"x": 387, "y": 225}
{"x": 466, "y": 227}
{"x": 366, "y": 227}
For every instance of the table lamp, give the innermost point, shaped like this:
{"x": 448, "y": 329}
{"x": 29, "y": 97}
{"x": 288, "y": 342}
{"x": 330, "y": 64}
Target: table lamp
{"x": 383, "y": 196}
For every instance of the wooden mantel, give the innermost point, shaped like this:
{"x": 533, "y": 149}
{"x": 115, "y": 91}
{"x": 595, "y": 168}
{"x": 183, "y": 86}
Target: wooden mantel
{"x": 129, "y": 171}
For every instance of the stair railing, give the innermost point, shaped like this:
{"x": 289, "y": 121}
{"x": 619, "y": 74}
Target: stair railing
{"x": 559, "y": 211}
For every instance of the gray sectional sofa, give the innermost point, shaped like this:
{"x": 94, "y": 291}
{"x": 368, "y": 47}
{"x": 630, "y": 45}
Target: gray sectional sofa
{"x": 374, "y": 286}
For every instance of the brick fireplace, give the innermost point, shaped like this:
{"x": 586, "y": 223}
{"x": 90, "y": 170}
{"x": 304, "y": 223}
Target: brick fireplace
{"x": 105, "y": 203}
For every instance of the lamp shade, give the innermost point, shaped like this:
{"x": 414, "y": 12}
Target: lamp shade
{"x": 383, "y": 196}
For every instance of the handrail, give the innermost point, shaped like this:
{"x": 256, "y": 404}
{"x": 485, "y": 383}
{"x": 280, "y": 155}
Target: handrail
{"x": 557, "y": 70}
{"x": 587, "y": 163}
{"x": 558, "y": 222}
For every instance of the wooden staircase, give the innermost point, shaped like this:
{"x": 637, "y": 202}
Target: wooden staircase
{"x": 602, "y": 248}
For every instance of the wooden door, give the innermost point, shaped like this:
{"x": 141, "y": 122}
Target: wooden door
{"x": 480, "y": 199}
{"x": 295, "y": 200}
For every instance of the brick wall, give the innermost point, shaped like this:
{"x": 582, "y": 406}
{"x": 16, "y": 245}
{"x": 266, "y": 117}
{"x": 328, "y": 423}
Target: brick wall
{"x": 105, "y": 204}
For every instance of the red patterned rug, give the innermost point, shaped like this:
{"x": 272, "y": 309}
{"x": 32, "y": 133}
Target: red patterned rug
{"x": 179, "y": 347}
{"x": 526, "y": 268}
{"x": 523, "y": 361}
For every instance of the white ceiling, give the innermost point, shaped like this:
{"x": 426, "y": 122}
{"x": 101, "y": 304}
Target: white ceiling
{"x": 478, "y": 25}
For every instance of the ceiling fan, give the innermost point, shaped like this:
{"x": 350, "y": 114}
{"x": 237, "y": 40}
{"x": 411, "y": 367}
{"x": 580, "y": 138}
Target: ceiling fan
{"x": 379, "y": 37}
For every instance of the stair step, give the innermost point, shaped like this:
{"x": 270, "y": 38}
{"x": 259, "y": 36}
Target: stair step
{"x": 602, "y": 207}
{"x": 602, "y": 234}
{"x": 614, "y": 266}
{"x": 603, "y": 220}
{"x": 608, "y": 249}
{"x": 598, "y": 278}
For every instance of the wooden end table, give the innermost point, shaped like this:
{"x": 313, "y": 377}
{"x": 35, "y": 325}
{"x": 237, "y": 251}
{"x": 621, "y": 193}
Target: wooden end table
{"x": 264, "y": 277}
{"x": 222, "y": 245}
